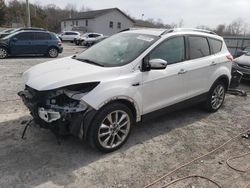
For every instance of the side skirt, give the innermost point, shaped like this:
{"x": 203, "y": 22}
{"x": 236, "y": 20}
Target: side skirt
{"x": 183, "y": 104}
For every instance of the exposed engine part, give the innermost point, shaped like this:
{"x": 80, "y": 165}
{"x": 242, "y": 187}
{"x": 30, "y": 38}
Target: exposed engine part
{"x": 48, "y": 115}
{"x": 235, "y": 82}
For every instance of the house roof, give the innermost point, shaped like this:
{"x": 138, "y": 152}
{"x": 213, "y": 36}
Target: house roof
{"x": 142, "y": 23}
{"x": 97, "y": 13}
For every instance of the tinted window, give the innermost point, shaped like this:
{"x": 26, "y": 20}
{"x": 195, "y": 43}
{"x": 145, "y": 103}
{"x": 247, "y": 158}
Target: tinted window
{"x": 215, "y": 45}
{"x": 198, "y": 47}
{"x": 42, "y": 36}
{"x": 171, "y": 50}
{"x": 25, "y": 36}
{"x": 70, "y": 33}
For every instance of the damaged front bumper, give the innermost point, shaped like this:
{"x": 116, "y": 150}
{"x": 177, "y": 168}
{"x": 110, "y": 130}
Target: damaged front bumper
{"x": 60, "y": 110}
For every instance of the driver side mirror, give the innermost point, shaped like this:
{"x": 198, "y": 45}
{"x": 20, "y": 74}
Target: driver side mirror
{"x": 153, "y": 64}
{"x": 157, "y": 64}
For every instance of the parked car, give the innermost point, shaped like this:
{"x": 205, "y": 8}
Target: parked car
{"x": 69, "y": 35}
{"x": 6, "y": 32}
{"x": 101, "y": 93}
{"x": 87, "y": 36}
{"x": 30, "y": 42}
{"x": 242, "y": 64}
{"x": 91, "y": 41}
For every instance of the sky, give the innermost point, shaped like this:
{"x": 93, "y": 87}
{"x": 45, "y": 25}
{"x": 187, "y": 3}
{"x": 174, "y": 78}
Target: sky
{"x": 193, "y": 12}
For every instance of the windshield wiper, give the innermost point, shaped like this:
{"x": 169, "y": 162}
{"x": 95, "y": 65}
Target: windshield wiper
{"x": 89, "y": 61}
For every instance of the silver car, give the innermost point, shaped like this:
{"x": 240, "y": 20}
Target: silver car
{"x": 242, "y": 64}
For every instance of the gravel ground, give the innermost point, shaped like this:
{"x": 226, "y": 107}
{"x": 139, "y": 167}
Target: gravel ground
{"x": 154, "y": 148}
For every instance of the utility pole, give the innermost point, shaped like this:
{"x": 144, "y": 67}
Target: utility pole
{"x": 28, "y": 13}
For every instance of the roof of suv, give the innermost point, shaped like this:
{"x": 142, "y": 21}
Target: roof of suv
{"x": 161, "y": 32}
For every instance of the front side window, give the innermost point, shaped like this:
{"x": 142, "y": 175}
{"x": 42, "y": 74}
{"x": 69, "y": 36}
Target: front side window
{"x": 198, "y": 47}
{"x": 118, "y": 50}
{"x": 111, "y": 24}
{"x": 215, "y": 45}
{"x": 172, "y": 50}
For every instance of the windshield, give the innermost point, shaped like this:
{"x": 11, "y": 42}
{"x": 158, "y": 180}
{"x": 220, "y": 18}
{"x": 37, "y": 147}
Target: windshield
{"x": 118, "y": 50}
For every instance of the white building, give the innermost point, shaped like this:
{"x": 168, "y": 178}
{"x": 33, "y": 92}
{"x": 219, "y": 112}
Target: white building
{"x": 105, "y": 21}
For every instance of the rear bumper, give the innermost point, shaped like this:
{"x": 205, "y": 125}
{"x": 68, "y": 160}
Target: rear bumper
{"x": 60, "y": 49}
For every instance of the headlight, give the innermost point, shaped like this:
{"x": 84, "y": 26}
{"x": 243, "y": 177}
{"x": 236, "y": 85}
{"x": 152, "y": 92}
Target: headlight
{"x": 79, "y": 90}
{"x": 83, "y": 87}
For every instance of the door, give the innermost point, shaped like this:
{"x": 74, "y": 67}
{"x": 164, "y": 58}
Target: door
{"x": 197, "y": 69}
{"x": 21, "y": 44}
{"x": 165, "y": 87}
{"x": 41, "y": 42}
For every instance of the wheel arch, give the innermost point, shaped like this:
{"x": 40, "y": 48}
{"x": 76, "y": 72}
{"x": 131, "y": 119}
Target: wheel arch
{"x": 87, "y": 120}
{"x": 224, "y": 79}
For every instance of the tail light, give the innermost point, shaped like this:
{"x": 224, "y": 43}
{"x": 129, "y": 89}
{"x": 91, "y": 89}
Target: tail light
{"x": 230, "y": 57}
{"x": 59, "y": 42}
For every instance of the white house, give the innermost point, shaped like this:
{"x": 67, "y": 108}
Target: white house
{"x": 105, "y": 21}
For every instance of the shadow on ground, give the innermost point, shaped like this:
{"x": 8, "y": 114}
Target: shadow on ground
{"x": 39, "y": 159}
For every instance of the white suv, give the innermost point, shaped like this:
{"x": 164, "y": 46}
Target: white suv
{"x": 69, "y": 35}
{"x": 101, "y": 93}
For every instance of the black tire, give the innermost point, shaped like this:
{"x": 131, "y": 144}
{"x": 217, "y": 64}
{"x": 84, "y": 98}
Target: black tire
{"x": 100, "y": 130}
{"x": 210, "y": 104}
{"x": 53, "y": 52}
{"x": 3, "y": 53}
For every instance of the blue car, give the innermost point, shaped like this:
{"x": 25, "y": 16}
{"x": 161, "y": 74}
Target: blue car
{"x": 30, "y": 42}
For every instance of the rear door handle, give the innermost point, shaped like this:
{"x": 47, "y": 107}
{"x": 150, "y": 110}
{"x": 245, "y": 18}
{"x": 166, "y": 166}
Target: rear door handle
{"x": 182, "y": 71}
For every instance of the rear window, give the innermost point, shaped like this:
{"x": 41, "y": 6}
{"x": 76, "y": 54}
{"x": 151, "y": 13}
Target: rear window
{"x": 215, "y": 45}
{"x": 42, "y": 36}
{"x": 198, "y": 47}
{"x": 25, "y": 36}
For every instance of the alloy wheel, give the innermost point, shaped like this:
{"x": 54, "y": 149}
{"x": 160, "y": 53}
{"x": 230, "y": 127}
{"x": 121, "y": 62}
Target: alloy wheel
{"x": 114, "y": 129}
{"x": 53, "y": 52}
{"x": 3, "y": 53}
{"x": 218, "y": 97}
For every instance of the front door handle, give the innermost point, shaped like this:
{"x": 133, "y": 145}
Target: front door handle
{"x": 182, "y": 71}
{"x": 213, "y": 63}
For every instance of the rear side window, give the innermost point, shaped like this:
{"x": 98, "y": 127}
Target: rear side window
{"x": 42, "y": 36}
{"x": 25, "y": 36}
{"x": 215, "y": 45}
{"x": 172, "y": 50}
{"x": 198, "y": 47}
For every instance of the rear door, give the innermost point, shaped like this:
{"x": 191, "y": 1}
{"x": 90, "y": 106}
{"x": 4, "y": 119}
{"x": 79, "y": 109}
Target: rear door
{"x": 21, "y": 44}
{"x": 41, "y": 42}
{"x": 197, "y": 69}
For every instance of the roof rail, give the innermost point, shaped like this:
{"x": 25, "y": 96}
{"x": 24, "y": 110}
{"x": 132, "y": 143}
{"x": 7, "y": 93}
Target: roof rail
{"x": 187, "y": 29}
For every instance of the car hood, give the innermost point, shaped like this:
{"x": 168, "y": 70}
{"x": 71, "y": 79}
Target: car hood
{"x": 243, "y": 60}
{"x": 64, "y": 72}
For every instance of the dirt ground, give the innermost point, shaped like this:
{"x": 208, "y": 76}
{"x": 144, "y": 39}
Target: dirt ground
{"x": 154, "y": 148}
